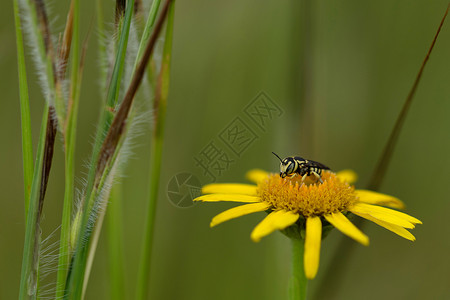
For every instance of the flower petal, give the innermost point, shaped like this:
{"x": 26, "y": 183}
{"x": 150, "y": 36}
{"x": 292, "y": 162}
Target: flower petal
{"x": 228, "y": 197}
{"x": 348, "y": 176}
{"x": 344, "y": 225}
{"x": 394, "y": 228}
{"x": 256, "y": 175}
{"x": 239, "y": 211}
{"x": 230, "y": 188}
{"x": 312, "y": 246}
{"x": 386, "y": 214}
{"x": 383, "y": 217}
{"x": 276, "y": 220}
{"x": 371, "y": 197}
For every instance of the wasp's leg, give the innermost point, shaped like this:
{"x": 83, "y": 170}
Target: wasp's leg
{"x": 304, "y": 177}
{"x": 317, "y": 176}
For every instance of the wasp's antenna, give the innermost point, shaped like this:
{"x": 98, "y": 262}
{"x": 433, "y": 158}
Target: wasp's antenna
{"x": 277, "y": 156}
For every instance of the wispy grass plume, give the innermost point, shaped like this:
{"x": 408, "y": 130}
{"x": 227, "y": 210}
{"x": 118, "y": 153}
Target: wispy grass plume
{"x": 104, "y": 165}
{"x": 97, "y": 181}
{"x": 114, "y": 215}
{"x": 35, "y": 18}
{"x": 60, "y": 69}
{"x": 37, "y": 23}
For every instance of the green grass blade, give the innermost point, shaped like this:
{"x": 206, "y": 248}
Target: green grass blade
{"x": 113, "y": 92}
{"x": 27, "y": 146}
{"x": 75, "y": 284}
{"x": 147, "y": 30}
{"x": 28, "y": 280}
{"x": 145, "y": 37}
{"x": 69, "y": 155}
{"x": 88, "y": 236}
{"x": 155, "y": 158}
{"x": 109, "y": 174}
{"x": 107, "y": 155}
{"x": 115, "y": 245}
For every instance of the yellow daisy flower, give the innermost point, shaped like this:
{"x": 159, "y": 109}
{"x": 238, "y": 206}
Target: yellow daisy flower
{"x": 311, "y": 206}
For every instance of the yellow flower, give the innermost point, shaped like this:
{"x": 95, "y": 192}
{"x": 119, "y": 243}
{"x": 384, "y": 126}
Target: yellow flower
{"x": 310, "y": 206}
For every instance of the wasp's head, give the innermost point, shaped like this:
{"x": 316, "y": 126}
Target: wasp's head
{"x": 288, "y": 166}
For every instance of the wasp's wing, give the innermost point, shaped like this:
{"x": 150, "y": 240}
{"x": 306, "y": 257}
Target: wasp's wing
{"x": 299, "y": 159}
{"x": 317, "y": 165}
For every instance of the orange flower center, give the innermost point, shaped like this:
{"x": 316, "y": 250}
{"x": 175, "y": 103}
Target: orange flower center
{"x": 307, "y": 199}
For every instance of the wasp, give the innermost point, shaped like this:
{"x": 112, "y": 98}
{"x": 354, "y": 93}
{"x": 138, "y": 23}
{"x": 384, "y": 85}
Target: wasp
{"x": 293, "y": 165}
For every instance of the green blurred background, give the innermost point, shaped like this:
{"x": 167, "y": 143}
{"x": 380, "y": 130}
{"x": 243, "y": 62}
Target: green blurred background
{"x": 358, "y": 60}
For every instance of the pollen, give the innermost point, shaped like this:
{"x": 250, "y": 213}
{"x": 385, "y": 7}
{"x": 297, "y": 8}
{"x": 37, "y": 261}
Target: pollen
{"x": 307, "y": 199}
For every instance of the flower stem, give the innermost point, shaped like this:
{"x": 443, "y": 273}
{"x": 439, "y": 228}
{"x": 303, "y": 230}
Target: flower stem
{"x": 298, "y": 282}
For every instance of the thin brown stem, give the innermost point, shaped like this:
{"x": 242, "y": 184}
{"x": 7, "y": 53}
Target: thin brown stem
{"x": 119, "y": 121}
{"x": 333, "y": 274}
{"x": 385, "y": 158}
